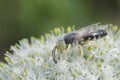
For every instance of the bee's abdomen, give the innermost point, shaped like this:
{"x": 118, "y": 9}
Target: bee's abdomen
{"x": 99, "y": 34}
{"x": 102, "y": 33}
{"x": 95, "y": 35}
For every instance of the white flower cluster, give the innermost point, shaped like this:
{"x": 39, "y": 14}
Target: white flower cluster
{"x": 33, "y": 60}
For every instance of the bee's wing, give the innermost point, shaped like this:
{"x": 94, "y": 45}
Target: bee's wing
{"x": 88, "y": 29}
{"x": 92, "y": 28}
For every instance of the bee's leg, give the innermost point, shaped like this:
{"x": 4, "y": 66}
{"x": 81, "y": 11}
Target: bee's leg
{"x": 94, "y": 44}
{"x": 59, "y": 52}
{"x": 81, "y": 51}
{"x": 54, "y": 55}
{"x": 68, "y": 46}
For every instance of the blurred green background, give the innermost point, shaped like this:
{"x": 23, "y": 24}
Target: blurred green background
{"x": 25, "y": 18}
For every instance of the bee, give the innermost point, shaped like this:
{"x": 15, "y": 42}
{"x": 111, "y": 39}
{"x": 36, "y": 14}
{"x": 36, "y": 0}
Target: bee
{"x": 79, "y": 37}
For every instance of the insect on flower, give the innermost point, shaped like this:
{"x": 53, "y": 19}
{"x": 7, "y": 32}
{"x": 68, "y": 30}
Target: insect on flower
{"x": 79, "y": 37}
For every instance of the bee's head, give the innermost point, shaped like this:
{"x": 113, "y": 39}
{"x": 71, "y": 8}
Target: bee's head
{"x": 61, "y": 44}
